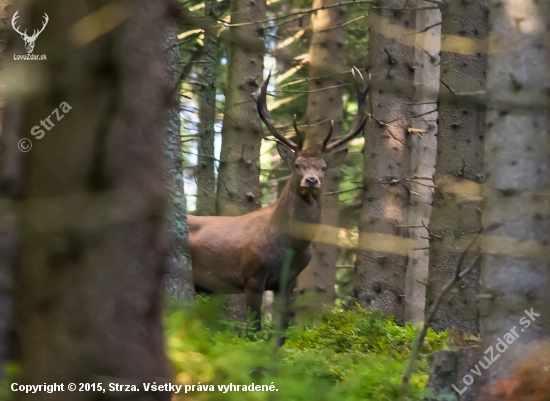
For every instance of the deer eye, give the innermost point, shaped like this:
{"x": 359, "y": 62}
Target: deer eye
{"x": 296, "y": 166}
{"x": 323, "y": 169}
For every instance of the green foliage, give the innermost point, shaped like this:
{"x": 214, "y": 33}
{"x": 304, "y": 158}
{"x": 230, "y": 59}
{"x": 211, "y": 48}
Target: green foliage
{"x": 11, "y": 372}
{"x": 364, "y": 331}
{"x": 348, "y": 355}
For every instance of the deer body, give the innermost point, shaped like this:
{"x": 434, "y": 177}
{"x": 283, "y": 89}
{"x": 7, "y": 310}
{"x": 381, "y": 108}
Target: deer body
{"x": 248, "y": 253}
{"x": 249, "y": 256}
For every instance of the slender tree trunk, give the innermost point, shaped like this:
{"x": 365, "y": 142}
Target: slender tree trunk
{"x": 383, "y": 244}
{"x": 515, "y": 272}
{"x": 94, "y": 238}
{"x": 326, "y": 59}
{"x": 422, "y": 158}
{"x": 205, "y": 173}
{"x": 179, "y": 280}
{"x": 456, "y": 215}
{"x": 238, "y": 175}
{"x": 239, "y": 190}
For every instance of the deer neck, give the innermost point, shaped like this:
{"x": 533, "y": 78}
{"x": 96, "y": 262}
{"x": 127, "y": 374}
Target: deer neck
{"x": 295, "y": 216}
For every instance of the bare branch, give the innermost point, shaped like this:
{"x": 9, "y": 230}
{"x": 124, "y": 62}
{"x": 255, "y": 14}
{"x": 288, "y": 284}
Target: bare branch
{"x": 429, "y": 27}
{"x": 431, "y": 314}
{"x": 345, "y": 190}
{"x": 301, "y": 12}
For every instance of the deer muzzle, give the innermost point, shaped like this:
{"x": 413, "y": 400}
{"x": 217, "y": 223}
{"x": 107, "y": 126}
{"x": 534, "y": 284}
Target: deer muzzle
{"x": 310, "y": 182}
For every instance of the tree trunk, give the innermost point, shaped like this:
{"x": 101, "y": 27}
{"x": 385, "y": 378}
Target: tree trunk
{"x": 456, "y": 214}
{"x": 326, "y": 59}
{"x": 9, "y": 180}
{"x": 448, "y": 368}
{"x": 383, "y": 244}
{"x": 516, "y": 224}
{"x": 293, "y": 43}
{"x": 423, "y": 153}
{"x": 93, "y": 235}
{"x": 239, "y": 190}
{"x": 179, "y": 280}
{"x": 205, "y": 172}
{"x": 238, "y": 175}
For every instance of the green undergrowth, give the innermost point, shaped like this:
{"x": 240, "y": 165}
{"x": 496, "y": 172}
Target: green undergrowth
{"x": 11, "y": 371}
{"x": 346, "y": 355}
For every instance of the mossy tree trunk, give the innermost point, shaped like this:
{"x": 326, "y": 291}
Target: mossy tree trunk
{"x": 94, "y": 237}
{"x": 515, "y": 271}
{"x": 326, "y": 60}
{"x": 383, "y": 246}
{"x": 456, "y": 214}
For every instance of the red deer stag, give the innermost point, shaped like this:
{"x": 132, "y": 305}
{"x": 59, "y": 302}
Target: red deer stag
{"x": 247, "y": 253}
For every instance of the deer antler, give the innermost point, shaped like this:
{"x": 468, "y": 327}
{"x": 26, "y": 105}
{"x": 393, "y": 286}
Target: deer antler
{"x": 325, "y": 142}
{"x": 36, "y": 33}
{"x": 298, "y": 133}
{"x": 15, "y": 16}
{"x": 360, "y": 119}
{"x": 259, "y": 97}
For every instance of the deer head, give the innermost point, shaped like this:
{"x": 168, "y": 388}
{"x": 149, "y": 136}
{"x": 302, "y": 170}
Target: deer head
{"x": 29, "y": 40}
{"x": 309, "y": 165}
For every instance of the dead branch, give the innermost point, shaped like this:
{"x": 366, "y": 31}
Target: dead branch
{"x": 431, "y": 314}
{"x": 345, "y": 190}
{"x": 300, "y": 13}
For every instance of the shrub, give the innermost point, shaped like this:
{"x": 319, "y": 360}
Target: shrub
{"x": 348, "y": 355}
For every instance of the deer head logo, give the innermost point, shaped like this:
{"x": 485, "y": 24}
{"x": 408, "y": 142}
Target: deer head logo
{"x": 29, "y": 40}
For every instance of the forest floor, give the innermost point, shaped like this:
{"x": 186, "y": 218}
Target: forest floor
{"x": 346, "y": 355}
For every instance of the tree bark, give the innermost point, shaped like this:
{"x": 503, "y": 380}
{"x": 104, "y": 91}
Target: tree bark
{"x": 448, "y": 368}
{"x": 456, "y": 214}
{"x": 326, "y": 59}
{"x": 94, "y": 238}
{"x": 383, "y": 244}
{"x": 9, "y": 180}
{"x": 239, "y": 190}
{"x": 515, "y": 272}
{"x": 205, "y": 173}
{"x": 179, "y": 280}
{"x": 423, "y": 151}
{"x": 238, "y": 174}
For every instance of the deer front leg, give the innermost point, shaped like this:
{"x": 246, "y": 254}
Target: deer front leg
{"x": 254, "y": 291}
{"x": 299, "y": 261}
{"x": 287, "y": 311}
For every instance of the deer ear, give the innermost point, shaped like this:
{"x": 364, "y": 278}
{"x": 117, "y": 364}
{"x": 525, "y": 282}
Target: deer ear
{"x": 337, "y": 158}
{"x": 286, "y": 154}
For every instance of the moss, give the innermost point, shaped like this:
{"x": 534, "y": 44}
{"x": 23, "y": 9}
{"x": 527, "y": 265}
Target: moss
{"x": 347, "y": 355}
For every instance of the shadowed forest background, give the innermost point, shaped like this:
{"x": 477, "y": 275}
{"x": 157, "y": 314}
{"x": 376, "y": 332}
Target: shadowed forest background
{"x": 430, "y": 270}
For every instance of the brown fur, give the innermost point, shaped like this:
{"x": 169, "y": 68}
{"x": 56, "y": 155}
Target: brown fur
{"x": 246, "y": 253}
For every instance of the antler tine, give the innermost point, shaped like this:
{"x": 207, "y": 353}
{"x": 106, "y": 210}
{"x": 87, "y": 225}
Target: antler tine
{"x": 260, "y": 97}
{"x": 360, "y": 119}
{"x": 298, "y": 133}
{"x": 325, "y": 142}
{"x": 38, "y": 32}
{"x": 13, "y": 19}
